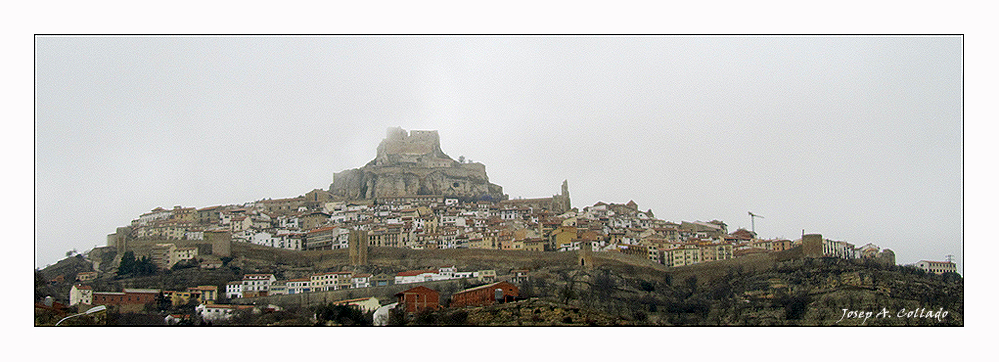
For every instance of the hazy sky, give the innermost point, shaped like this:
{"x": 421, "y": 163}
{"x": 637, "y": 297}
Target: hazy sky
{"x": 856, "y": 138}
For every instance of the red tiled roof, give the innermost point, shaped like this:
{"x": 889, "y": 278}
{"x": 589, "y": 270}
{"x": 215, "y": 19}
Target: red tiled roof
{"x": 412, "y": 273}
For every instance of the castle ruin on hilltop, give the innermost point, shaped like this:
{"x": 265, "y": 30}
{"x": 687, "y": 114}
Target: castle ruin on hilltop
{"x": 410, "y": 164}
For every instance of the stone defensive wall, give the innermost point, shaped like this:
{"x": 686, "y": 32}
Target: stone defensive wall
{"x": 215, "y": 243}
{"x": 145, "y": 247}
{"x": 705, "y": 272}
{"x": 709, "y": 271}
{"x": 465, "y": 259}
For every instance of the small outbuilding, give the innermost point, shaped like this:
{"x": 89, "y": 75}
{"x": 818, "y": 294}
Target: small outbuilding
{"x": 488, "y": 294}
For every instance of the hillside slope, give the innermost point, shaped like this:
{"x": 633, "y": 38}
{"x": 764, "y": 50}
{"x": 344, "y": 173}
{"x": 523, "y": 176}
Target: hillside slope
{"x": 765, "y": 289}
{"x": 806, "y": 292}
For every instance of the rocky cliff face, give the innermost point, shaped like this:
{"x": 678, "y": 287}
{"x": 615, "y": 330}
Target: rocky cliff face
{"x": 413, "y": 164}
{"x": 793, "y": 292}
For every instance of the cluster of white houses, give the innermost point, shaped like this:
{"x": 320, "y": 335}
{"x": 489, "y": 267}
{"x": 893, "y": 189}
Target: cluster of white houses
{"x": 316, "y": 222}
{"x": 257, "y": 285}
{"x": 205, "y": 296}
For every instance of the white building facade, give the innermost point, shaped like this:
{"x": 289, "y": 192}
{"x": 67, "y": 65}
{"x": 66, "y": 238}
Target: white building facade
{"x": 937, "y": 267}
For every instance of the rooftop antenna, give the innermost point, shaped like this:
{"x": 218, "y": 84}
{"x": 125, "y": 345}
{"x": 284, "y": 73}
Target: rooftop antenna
{"x": 752, "y": 218}
{"x": 950, "y": 258}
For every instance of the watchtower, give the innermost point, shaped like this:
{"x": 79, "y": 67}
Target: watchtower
{"x": 585, "y": 254}
{"x": 221, "y": 242}
{"x": 811, "y": 245}
{"x": 886, "y": 257}
{"x": 357, "y": 247}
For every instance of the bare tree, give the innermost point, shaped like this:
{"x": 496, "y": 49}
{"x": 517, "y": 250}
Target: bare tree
{"x": 568, "y": 291}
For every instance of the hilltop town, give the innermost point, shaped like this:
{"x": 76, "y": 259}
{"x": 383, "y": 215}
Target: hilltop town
{"x": 412, "y": 196}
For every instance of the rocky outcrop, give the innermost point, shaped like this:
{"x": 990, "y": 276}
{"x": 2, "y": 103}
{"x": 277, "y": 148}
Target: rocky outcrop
{"x": 413, "y": 164}
{"x": 536, "y": 312}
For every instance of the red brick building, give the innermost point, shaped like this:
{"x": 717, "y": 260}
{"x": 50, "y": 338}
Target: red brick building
{"x": 485, "y": 295}
{"x": 418, "y": 299}
{"x": 128, "y": 297}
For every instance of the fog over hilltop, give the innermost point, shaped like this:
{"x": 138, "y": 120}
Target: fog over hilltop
{"x": 857, "y": 138}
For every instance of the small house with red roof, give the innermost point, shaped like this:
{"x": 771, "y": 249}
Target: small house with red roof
{"x": 81, "y": 294}
{"x": 256, "y": 285}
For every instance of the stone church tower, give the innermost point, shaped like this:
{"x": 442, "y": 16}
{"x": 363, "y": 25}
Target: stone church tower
{"x": 561, "y": 203}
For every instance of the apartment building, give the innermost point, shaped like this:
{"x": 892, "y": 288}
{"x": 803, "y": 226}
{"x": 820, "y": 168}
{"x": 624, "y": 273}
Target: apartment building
{"x": 937, "y": 267}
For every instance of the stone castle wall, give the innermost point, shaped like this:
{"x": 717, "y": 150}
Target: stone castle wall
{"x": 416, "y": 142}
{"x": 419, "y": 148}
{"x": 412, "y": 164}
